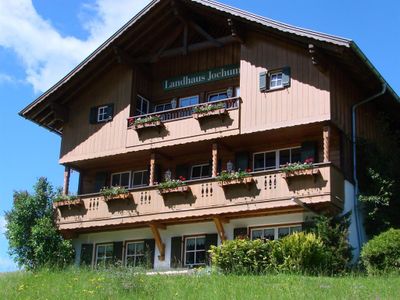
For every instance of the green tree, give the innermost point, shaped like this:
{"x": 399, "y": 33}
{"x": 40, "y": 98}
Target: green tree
{"x": 32, "y": 236}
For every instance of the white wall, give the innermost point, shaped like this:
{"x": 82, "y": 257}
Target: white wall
{"x": 180, "y": 230}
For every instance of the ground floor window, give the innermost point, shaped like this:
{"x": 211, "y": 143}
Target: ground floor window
{"x": 121, "y": 179}
{"x": 200, "y": 171}
{"x": 273, "y": 233}
{"x": 135, "y": 255}
{"x": 140, "y": 178}
{"x": 195, "y": 251}
{"x": 104, "y": 254}
{"x": 271, "y": 160}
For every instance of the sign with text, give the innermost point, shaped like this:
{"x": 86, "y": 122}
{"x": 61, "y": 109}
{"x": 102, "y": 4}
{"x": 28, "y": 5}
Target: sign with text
{"x": 201, "y": 77}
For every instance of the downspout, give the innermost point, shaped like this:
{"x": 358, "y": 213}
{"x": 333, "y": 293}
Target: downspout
{"x": 354, "y": 141}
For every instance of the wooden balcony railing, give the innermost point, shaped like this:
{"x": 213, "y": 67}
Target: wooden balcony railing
{"x": 185, "y": 112}
{"x": 269, "y": 190}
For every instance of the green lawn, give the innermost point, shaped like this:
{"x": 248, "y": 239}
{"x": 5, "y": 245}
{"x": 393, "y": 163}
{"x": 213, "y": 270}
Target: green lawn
{"x": 123, "y": 284}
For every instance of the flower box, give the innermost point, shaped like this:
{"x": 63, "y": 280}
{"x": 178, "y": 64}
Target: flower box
{"x": 218, "y": 112}
{"x": 155, "y": 124}
{"x": 296, "y": 173}
{"x": 179, "y": 189}
{"x": 69, "y": 203}
{"x": 245, "y": 180}
{"x": 124, "y": 196}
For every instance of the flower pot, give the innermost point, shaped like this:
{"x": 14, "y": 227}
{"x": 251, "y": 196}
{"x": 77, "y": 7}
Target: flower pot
{"x": 117, "y": 197}
{"x": 69, "y": 203}
{"x": 218, "y": 112}
{"x": 299, "y": 173}
{"x": 155, "y": 124}
{"x": 179, "y": 189}
{"x": 245, "y": 181}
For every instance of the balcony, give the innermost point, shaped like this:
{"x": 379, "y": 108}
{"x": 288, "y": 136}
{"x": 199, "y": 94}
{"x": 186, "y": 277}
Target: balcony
{"x": 268, "y": 191}
{"x": 184, "y": 124}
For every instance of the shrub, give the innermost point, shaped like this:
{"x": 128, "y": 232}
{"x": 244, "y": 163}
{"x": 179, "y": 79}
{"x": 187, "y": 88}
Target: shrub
{"x": 299, "y": 253}
{"x": 382, "y": 253}
{"x": 242, "y": 256}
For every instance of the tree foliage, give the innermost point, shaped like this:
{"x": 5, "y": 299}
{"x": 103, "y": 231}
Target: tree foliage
{"x": 33, "y": 239}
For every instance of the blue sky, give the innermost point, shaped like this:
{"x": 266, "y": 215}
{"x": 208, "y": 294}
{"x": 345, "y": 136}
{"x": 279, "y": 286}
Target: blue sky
{"x": 41, "y": 40}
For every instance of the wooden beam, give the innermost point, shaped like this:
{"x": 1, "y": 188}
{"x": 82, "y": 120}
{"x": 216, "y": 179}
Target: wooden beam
{"x": 124, "y": 58}
{"x": 220, "y": 228}
{"x": 159, "y": 243}
{"x": 61, "y": 112}
{"x": 205, "y": 34}
{"x": 214, "y": 160}
{"x": 326, "y": 135}
{"x": 168, "y": 42}
{"x": 234, "y": 30}
{"x": 67, "y": 173}
{"x": 317, "y": 58}
{"x": 152, "y": 169}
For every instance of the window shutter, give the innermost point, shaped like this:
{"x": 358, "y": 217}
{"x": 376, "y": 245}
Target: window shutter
{"x": 240, "y": 233}
{"x": 86, "y": 254}
{"x": 219, "y": 166}
{"x": 93, "y": 115}
{"x": 211, "y": 240}
{"x": 110, "y": 111}
{"x": 309, "y": 150}
{"x": 149, "y": 248}
{"x": 158, "y": 173}
{"x": 241, "y": 160}
{"x": 117, "y": 252}
{"x": 100, "y": 181}
{"x": 264, "y": 82}
{"x": 176, "y": 252}
{"x": 182, "y": 170}
{"x": 286, "y": 77}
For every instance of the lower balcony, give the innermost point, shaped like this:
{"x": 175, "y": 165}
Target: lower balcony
{"x": 267, "y": 192}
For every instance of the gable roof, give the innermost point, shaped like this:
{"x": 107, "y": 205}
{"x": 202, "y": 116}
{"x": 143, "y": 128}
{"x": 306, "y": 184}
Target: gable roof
{"x": 43, "y": 103}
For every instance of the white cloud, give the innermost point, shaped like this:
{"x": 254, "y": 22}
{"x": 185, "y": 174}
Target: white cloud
{"x": 47, "y": 55}
{"x": 5, "y": 78}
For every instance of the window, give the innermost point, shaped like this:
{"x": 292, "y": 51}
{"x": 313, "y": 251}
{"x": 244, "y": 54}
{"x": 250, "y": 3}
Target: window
{"x": 134, "y": 255}
{"x": 162, "y": 107}
{"x": 217, "y": 96}
{"x": 102, "y": 114}
{"x": 142, "y": 106}
{"x": 140, "y": 178}
{"x": 188, "y": 101}
{"x": 195, "y": 251}
{"x": 121, "y": 179}
{"x": 274, "y": 159}
{"x": 275, "y": 80}
{"x": 104, "y": 254}
{"x": 273, "y": 233}
{"x": 200, "y": 171}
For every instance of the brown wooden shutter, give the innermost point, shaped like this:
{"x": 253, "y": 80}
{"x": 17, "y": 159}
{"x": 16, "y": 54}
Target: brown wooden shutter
{"x": 86, "y": 254}
{"x": 286, "y": 77}
{"x": 117, "y": 252}
{"x": 93, "y": 115}
{"x": 176, "y": 252}
{"x": 240, "y": 233}
{"x": 149, "y": 248}
{"x": 211, "y": 240}
{"x": 264, "y": 82}
{"x": 110, "y": 111}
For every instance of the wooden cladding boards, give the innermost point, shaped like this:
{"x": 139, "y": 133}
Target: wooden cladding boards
{"x": 305, "y": 101}
{"x": 80, "y": 138}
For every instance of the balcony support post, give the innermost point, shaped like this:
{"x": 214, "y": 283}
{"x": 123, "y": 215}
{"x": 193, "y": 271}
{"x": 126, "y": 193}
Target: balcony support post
{"x": 326, "y": 142}
{"x": 214, "y": 160}
{"x": 67, "y": 174}
{"x": 152, "y": 169}
{"x": 160, "y": 245}
{"x": 220, "y": 227}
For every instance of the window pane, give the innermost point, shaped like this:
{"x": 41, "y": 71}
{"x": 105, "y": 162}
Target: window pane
{"x": 145, "y": 107}
{"x": 200, "y": 257}
{"x": 137, "y": 178}
{"x": 205, "y": 171}
{"x": 139, "y": 248}
{"x": 196, "y": 172}
{"x": 115, "y": 179}
{"x": 256, "y": 234}
{"x": 100, "y": 251}
{"x": 295, "y": 229}
{"x": 146, "y": 177}
{"x": 259, "y": 161}
{"x": 167, "y": 106}
{"x": 109, "y": 250}
{"x": 284, "y": 157}
{"x": 269, "y": 234}
{"x": 296, "y": 154}
{"x": 213, "y": 98}
{"x": 125, "y": 179}
{"x": 284, "y": 231}
{"x": 200, "y": 243}
{"x": 140, "y": 261}
{"x": 270, "y": 161}
{"x": 190, "y": 243}
{"x": 183, "y": 102}
{"x": 131, "y": 249}
{"x": 189, "y": 258}
{"x": 159, "y": 108}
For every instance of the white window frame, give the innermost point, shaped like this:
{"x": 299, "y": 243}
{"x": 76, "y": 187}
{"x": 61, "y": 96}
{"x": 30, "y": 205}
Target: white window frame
{"x": 184, "y": 98}
{"x": 271, "y": 75}
{"x": 104, "y": 259}
{"x": 277, "y": 157}
{"x": 133, "y": 176}
{"x": 276, "y": 229}
{"x": 102, "y": 113}
{"x": 195, "y": 250}
{"x": 142, "y": 99}
{"x": 133, "y": 255}
{"x": 163, "y": 107}
{"x": 120, "y": 173}
{"x": 201, "y": 171}
{"x": 217, "y": 93}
